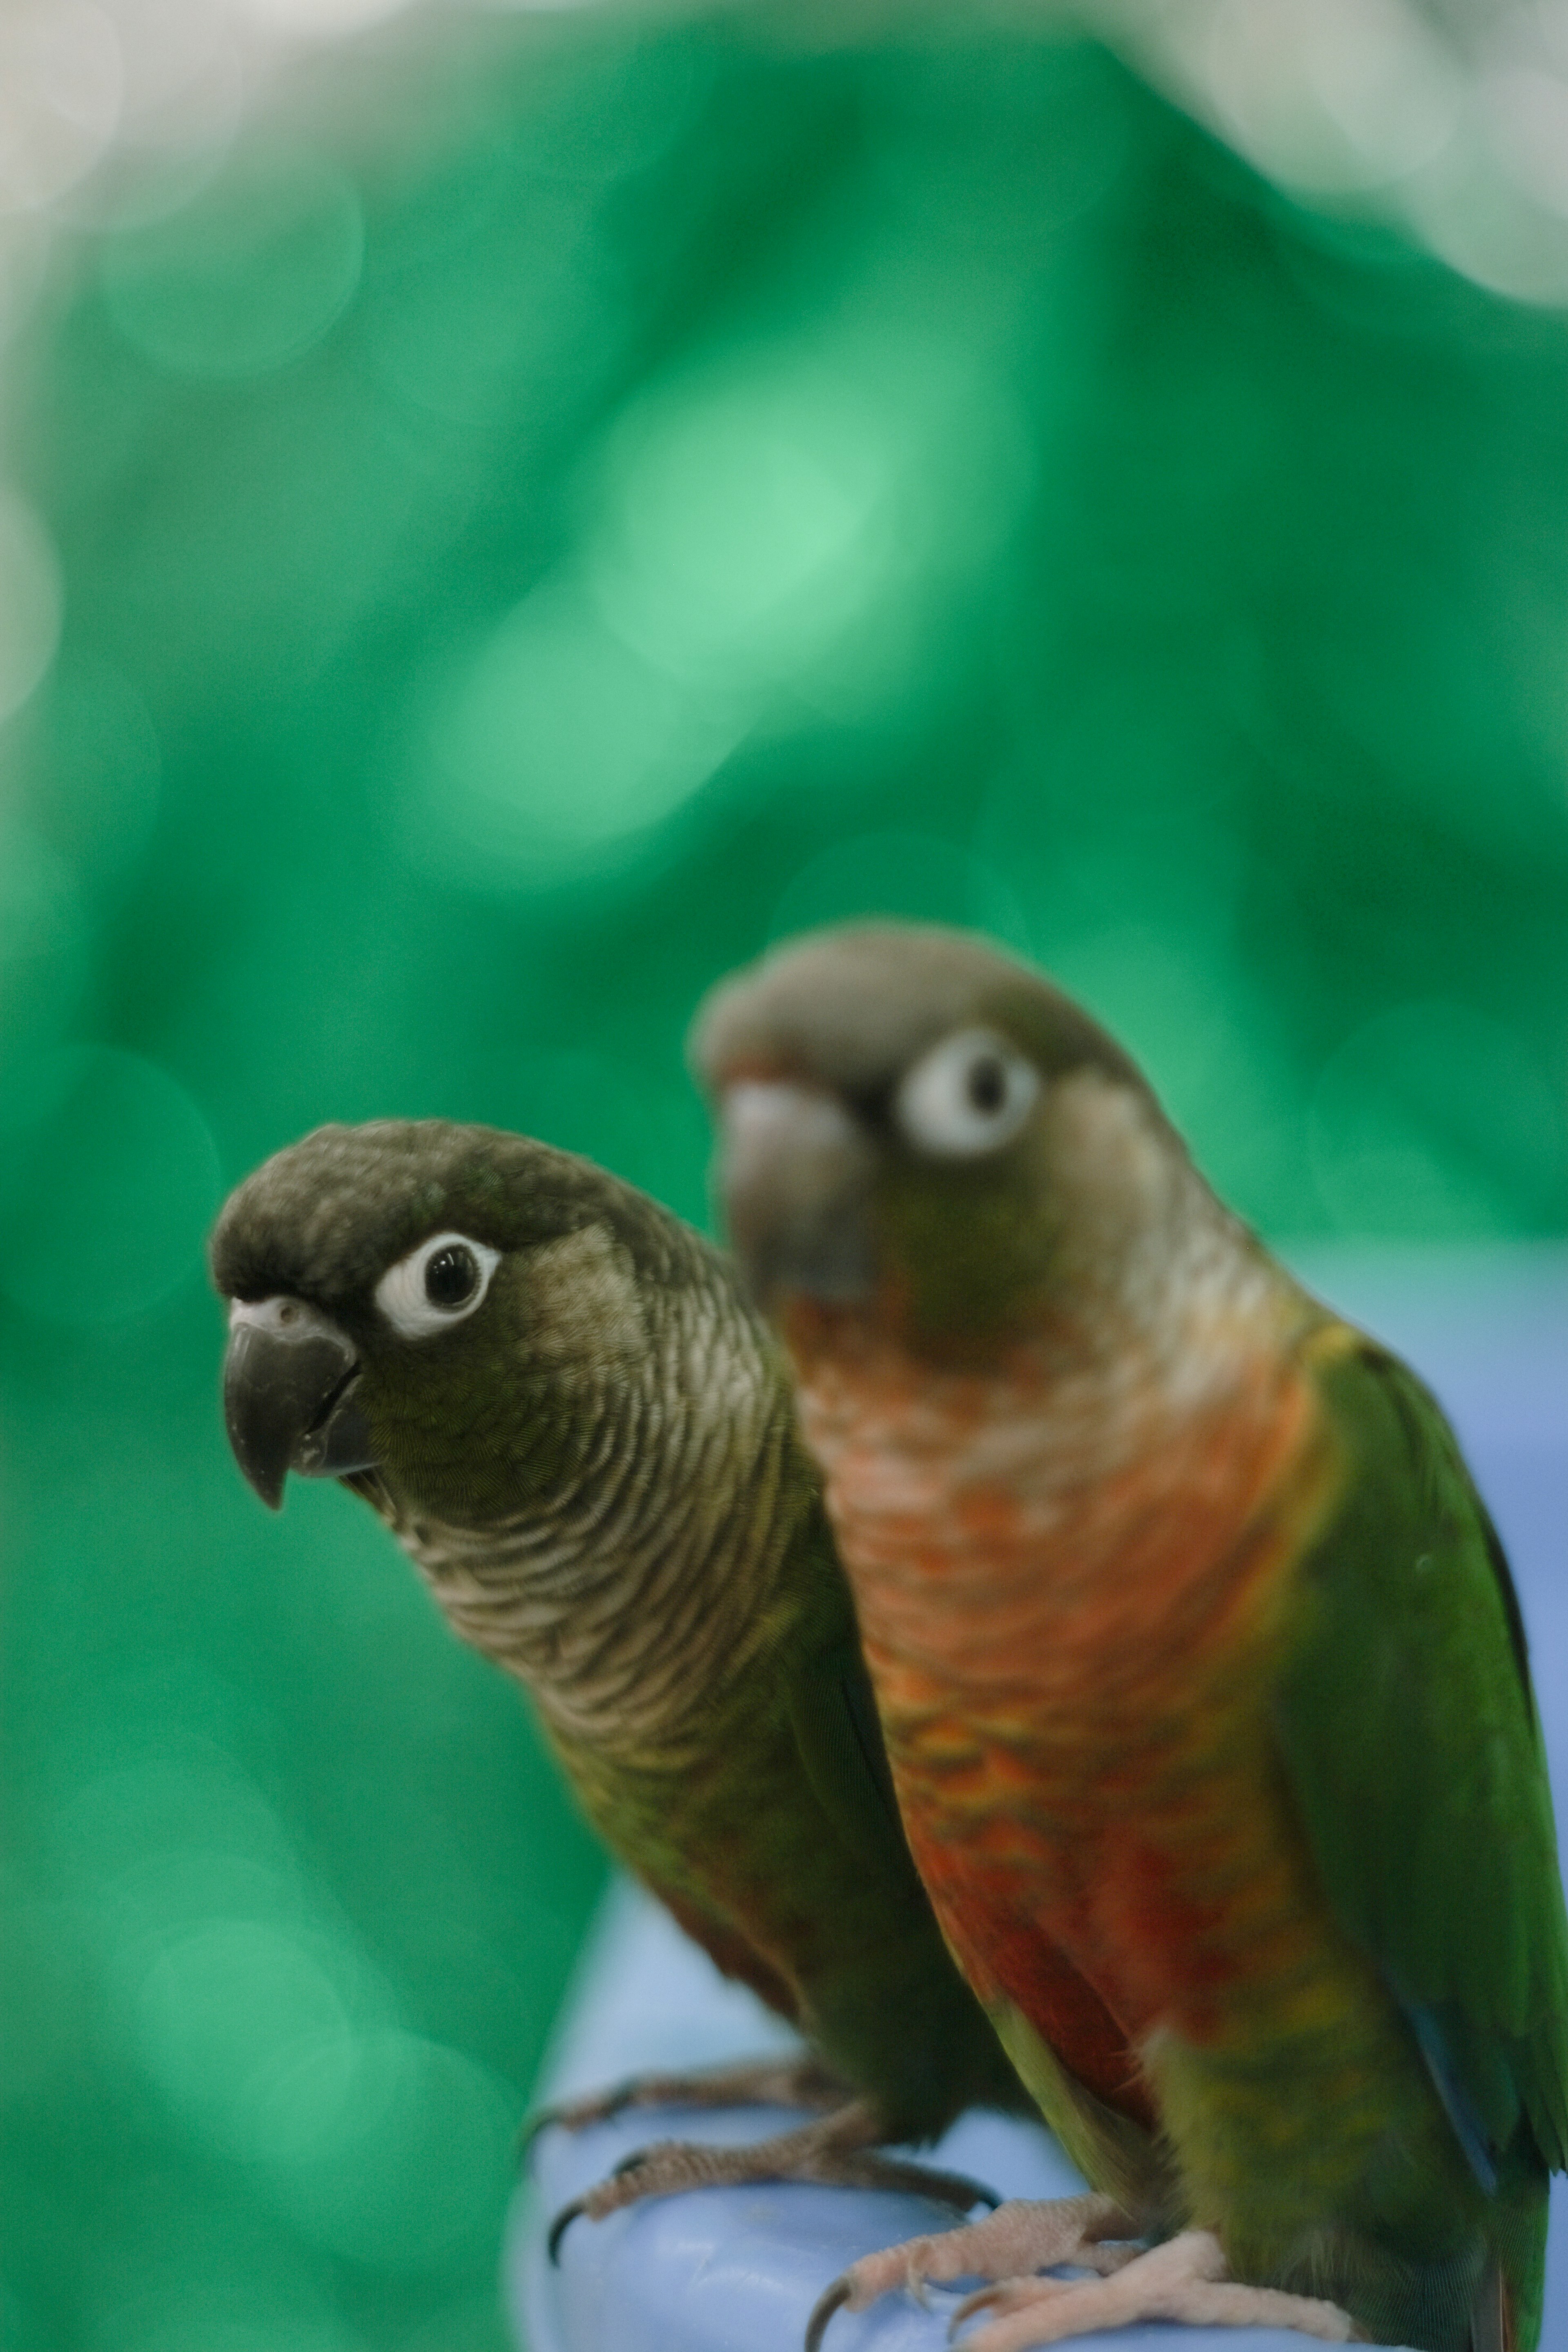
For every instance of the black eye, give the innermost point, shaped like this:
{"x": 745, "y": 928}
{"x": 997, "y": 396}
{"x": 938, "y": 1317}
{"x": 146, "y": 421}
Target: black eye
{"x": 451, "y": 1276}
{"x": 986, "y": 1083}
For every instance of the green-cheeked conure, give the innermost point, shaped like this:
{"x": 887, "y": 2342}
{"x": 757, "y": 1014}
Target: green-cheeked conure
{"x": 557, "y": 1399}
{"x": 1202, "y": 1676}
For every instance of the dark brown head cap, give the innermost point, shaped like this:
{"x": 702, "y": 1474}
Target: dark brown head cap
{"x": 852, "y": 1008}
{"x": 324, "y": 1219}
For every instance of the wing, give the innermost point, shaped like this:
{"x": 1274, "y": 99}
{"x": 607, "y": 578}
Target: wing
{"x": 838, "y": 1752}
{"x": 1411, "y": 1742}
{"x": 834, "y": 1718}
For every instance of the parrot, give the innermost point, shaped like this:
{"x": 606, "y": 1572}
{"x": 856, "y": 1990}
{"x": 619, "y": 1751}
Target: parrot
{"x": 556, "y": 1397}
{"x": 1203, "y": 1679}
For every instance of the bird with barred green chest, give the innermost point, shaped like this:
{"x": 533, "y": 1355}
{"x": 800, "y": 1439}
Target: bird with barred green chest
{"x": 557, "y": 1399}
{"x": 1203, "y": 1680}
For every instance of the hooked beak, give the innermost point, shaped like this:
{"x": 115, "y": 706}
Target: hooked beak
{"x": 290, "y": 1396}
{"x": 795, "y": 1174}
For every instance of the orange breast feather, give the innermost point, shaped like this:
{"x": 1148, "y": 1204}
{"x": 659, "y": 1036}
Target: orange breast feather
{"x": 1071, "y": 1655}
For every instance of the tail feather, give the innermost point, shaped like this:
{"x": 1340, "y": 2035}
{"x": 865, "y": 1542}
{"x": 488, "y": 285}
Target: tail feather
{"x": 1492, "y": 2325}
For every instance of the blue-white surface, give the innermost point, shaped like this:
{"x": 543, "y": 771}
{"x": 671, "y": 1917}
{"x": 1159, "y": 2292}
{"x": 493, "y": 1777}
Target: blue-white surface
{"x": 737, "y": 2270}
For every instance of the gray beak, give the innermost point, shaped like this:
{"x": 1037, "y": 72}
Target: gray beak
{"x": 290, "y": 1396}
{"x": 794, "y": 1177}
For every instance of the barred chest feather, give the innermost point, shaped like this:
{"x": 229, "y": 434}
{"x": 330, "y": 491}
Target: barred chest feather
{"x": 639, "y": 1580}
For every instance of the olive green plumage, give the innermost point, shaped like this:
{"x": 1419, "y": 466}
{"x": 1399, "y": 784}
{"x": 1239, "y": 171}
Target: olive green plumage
{"x": 595, "y": 1467}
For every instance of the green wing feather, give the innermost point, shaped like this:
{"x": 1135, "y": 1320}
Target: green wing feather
{"x": 834, "y": 1718}
{"x": 1413, "y": 1748}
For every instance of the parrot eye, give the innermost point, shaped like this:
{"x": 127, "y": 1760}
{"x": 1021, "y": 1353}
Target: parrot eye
{"x": 452, "y": 1276}
{"x": 969, "y": 1095}
{"x": 438, "y": 1284}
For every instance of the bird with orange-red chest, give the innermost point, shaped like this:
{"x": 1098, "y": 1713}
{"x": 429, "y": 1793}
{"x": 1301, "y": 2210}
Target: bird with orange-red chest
{"x": 1203, "y": 1679}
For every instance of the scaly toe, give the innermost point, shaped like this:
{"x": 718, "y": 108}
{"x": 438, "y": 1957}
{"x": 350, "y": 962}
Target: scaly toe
{"x": 835, "y": 2152}
{"x": 790, "y": 2081}
{"x": 1022, "y": 2235}
{"x": 1184, "y": 2280}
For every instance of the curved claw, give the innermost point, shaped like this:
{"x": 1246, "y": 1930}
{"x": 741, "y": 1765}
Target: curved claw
{"x": 569, "y": 2213}
{"x": 981, "y": 2300}
{"x": 832, "y": 2298}
{"x": 559, "y": 2227}
{"x": 954, "y": 2189}
{"x": 572, "y": 2115}
{"x": 985, "y": 2298}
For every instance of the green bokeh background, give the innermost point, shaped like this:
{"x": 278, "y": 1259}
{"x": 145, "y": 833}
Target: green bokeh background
{"x": 569, "y": 502}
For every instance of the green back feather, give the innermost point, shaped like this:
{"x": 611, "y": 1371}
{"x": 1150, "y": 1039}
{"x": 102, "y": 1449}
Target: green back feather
{"x": 1413, "y": 1750}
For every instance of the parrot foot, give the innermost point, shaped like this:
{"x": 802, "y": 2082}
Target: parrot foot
{"x": 837, "y": 2152}
{"x": 1022, "y": 2235}
{"x": 1184, "y": 2280}
{"x": 788, "y": 2081}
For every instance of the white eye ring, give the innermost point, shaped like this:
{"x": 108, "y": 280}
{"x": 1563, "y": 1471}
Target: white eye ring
{"x": 405, "y": 1301}
{"x": 969, "y": 1095}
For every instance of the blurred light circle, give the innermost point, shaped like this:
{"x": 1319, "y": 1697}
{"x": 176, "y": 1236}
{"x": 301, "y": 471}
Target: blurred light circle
{"x": 247, "y": 275}
{"x": 46, "y": 950}
{"x": 171, "y": 53}
{"x": 425, "y": 2183}
{"x": 322, "y": 20}
{"x": 315, "y": 2096}
{"x": 43, "y": 930}
{"x": 742, "y": 537}
{"x": 179, "y": 1820}
{"x": 435, "y": 334}
{"x": 1511, "y": 248}
{"x": 108, "y": 1177}
{"x": 60, "y": 87}
{"x": 248, "y": 2033}
{"x": 782, "y": 531}
{"x": 30, "y": 598}
{"x": 137, "y": 1902}
{"x": 25, "y": 255}
{"x": 183, "y": 100}
{"x": 557, "y": 742}
{"x": 1432, "y": 1123}
{"x": 1180, "y": 1000}
{"x": 1170, "y": 998}
{"x": 1333, "y": 95}
{"x": 1528, "y": 115}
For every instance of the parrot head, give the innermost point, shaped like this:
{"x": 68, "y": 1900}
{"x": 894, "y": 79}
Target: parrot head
{"x": 411, "y": 1303}
{"x": 919, "y": 1129}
